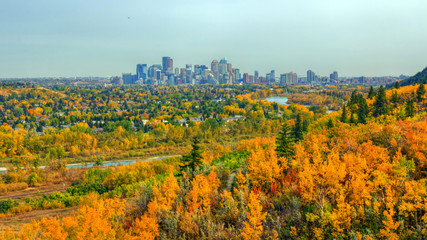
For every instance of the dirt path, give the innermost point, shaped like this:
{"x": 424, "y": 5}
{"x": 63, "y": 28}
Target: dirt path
{"x": 15, "y": 222}
{"x": 230, "y": 181}
{"x": 32, "y": 191}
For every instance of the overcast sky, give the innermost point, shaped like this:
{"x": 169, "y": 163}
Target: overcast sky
{"x": 107, "y": 37}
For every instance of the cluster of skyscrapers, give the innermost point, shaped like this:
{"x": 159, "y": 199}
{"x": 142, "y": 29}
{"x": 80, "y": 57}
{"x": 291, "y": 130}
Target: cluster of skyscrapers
{"x": 221, "y": 72}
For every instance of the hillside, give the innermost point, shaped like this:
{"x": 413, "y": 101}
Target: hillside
{"x": 416, "y": 79}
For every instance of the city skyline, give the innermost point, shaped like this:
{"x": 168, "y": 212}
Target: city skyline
{"x": 356, "y": 38}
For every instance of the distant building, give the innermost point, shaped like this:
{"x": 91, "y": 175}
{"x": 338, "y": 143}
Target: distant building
{"x": 311, "y": 76}
{"x": 141, "y": 71}
{"x": 237, "y": 74}
{"x": 222, "y": 66}
{"x": 128, "y": 78}
{"x": 246, "y": 78}
{"x": 167, "y": 65}
{"x": 214, "y": 68}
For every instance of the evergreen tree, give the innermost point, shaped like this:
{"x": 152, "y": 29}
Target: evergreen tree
{"x": 344, "y": 114}
{"x": 371, "y": 93}
{"x": 363, "y": 111}
{"x": 421, "y": 91}
{"x": 410, "y": 108}
{"x": 396, "y": 85}
{"x": 330, "y": 123}
{"x": 395, "y": 97}
{"x": 380, "y": 104}
{"x": 298, "y": 128}
{"x": 194, "y": 158}
{"x": 285, "y": 145}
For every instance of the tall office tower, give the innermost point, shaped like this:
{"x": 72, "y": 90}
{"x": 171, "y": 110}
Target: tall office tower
{"x": 335, "y": 75}
{"x": 170, "y": 65}
{"x": 310, "y": 76}
{"x": 283, "y": 78}
{"x": 294, "y": 78}
{"x": 158, "y": 75}
{"x": 165, "y": 63}
{"x": 222, "y": 66}
{"x": 251, "y": 79}
{"x": 237, "y": 74}
{"x": 229, "y": 68}
{"x": 214, "y": 68}
{"x": 273, "y": 76}
{"x": 188, "y": 72}
{"x": 245, "y": 78}
{"x": 256, "y": 74}
{"x": 183, "y": 75}
{"x": 176, "y": 71}
{"x": 152, "y": 69}
{"x": 141, "y": 71}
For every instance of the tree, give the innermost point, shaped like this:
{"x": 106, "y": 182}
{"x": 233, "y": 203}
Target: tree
{"x": 363, "y": 111}
{"x": 298, "y": 128}
{"x": 421, "y": 91}
{"x": 330, "y": 123}
{"x": 371, "y": 93}
{"x": 380, "y": 104}
{"x": 285, "y": 142}
{"x": 396, "y": 85}
{"x": 410, "y": 108}
{"x": 194, "y": 158}
{"x": 344, "y": 114}
{"x": 395, "y": 97}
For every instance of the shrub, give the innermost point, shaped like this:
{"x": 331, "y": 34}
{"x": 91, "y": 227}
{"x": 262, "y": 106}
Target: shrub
{"x": 5, "y": 205}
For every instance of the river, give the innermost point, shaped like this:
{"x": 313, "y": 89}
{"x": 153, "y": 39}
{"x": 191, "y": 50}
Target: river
{"x": 106, "y": 164}
{"x": 284, "y": 101}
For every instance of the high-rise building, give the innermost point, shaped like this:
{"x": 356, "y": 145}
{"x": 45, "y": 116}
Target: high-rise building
{"x": 128, "y": 78}
{"x": 222, "y": 66}
{"x": 229, "y": 68}
{"x": 245, "y": 78}
{"x": 272, "y": 76}
{"x": 141, "y": 71}
{"x": 334, "y": 76}
{"x": 214, "y": 69}
{"x": 166, "y": 62}
{"x": 237, "y": 74}
{"x": 311, "y": 76}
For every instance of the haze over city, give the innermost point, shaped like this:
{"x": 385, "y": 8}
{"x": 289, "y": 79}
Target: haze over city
{"x": 94, "y": 38}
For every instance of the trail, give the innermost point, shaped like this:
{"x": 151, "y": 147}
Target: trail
{"x": 230, "y": 181}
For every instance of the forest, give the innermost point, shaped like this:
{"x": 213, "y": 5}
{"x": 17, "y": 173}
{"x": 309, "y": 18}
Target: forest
{"x": 249, "y": 168}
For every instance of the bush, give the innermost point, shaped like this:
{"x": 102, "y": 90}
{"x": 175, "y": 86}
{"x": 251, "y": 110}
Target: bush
{"x": 13, "y": 187}
{"x": 5, "y": 205}
{"x": 232, "y": 161}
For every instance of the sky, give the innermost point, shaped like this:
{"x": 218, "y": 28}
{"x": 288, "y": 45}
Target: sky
{"x": 64, "y": 38}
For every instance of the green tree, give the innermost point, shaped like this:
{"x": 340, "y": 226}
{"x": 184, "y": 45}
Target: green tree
{"x": 395, "y": 97}
{"x": 330, "y": 123}
{"x": 363, "y": 111}
{"x": 285, "y": 145}
{"x": 298, "y": 128}
{"x": 380, "y": 104}
{"x": 344, "y": 114}
{"x": 396, "y": 85}
{"x": 194, "y": 158}
{"x": 371, "y": 93}
{"x": 410, "y": 108}
{"x": 421, "y": 91}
